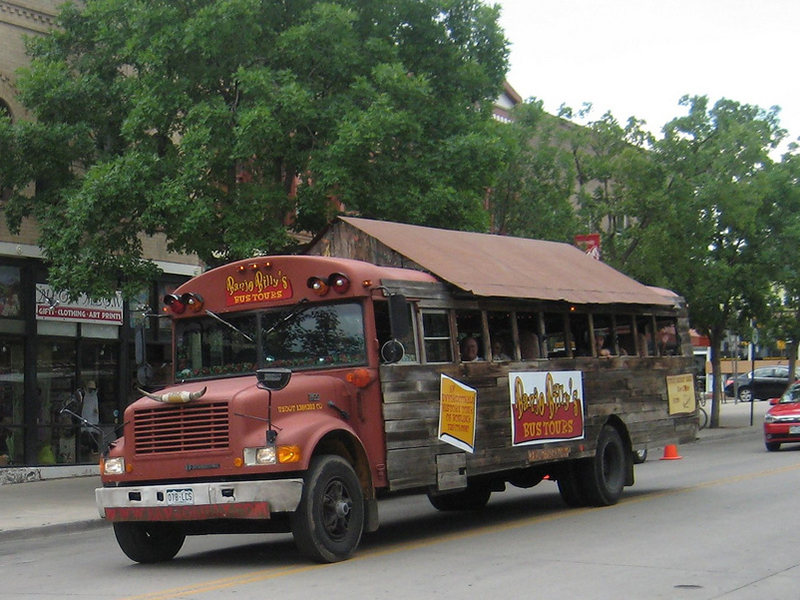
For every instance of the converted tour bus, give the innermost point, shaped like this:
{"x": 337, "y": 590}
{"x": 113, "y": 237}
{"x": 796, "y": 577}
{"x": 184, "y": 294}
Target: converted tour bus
{"x": 394, "y": 358}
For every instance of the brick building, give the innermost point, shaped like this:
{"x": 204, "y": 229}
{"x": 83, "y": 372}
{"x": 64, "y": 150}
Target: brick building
{"x": 50, "y": 347}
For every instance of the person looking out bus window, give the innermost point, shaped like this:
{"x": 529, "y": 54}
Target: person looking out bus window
{"x": 600, "y": 345}
{"x": 469, "y": 349}
{"x": 499, "y": 351}
{"x": 529, "y": 345}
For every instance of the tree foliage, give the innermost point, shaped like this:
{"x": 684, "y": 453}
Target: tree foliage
{"x": 195, "y": 118}
{"x": 703, "y": 210}
{"x": 533, "y": 194}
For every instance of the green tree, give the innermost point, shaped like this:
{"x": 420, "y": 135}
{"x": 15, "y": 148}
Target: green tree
{"x": 782, "y": 318}
{"x": 699, "y": 210}
{"x": 194, "y": 119}
{"x": 718, "y": 214}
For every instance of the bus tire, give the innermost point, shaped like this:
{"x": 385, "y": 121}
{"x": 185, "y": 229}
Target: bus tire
{"x": 604, "y": 475}
{"x": 570, "y": 486}
{"x": 148, "y": 542}
{"x": 474, "y": 497}
{"x": 329, "y": 520}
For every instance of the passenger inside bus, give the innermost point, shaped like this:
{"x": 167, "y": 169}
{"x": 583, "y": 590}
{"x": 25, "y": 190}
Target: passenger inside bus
{"x": 529, "y": 345}
{"x": 499, "y": 350}
{"x": 469, "y": 349}
{"x": 601, "y": 347}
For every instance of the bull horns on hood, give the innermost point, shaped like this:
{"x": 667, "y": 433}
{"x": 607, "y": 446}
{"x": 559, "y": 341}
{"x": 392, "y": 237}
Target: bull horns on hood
{"x": 181, "y": 397}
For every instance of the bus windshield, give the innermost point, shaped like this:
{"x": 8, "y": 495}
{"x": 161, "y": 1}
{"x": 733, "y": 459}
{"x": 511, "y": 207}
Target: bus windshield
{"x": 318, "y": 336}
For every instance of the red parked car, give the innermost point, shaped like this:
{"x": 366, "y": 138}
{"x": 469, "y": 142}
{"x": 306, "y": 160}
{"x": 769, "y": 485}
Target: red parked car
{"x": 782, "y": 421}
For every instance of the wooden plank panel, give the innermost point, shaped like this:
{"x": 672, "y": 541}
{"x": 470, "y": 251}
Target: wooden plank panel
{"x": 632, "y": 390}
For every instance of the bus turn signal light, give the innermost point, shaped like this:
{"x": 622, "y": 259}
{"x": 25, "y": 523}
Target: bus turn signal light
{"x": 288, "y": 454}
{"x": 360, "y": 378}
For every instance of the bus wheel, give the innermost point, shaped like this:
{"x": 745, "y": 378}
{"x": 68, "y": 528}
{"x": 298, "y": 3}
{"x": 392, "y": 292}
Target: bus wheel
{"x": 472, "y": 498}
{"x": 328, "y": 523}
{"x": 569, "y": 484}
{"x": 773, "y": 446}
{"x": 604, "y": 475}
{"x": 149, "y": 542}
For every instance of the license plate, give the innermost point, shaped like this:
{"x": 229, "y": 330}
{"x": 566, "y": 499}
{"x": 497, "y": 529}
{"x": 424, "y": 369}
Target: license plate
{"x": 180, "y": 497}
{"x": 794, "y": 428}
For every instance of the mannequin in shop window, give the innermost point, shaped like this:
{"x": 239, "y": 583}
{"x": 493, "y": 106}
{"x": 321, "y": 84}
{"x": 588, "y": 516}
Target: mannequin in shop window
{"x": 91, "y": 414}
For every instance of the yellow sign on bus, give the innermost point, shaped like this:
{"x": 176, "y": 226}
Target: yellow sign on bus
{"x": 458, "y": 405}
{"x": 680, "y": 390}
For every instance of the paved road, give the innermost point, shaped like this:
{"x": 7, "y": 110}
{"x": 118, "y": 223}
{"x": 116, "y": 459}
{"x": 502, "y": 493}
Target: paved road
{"x": 715, "y": 524}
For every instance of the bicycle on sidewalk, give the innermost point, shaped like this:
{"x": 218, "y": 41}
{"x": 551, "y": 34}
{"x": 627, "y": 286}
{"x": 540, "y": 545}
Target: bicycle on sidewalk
{"x": 702, "y": 415}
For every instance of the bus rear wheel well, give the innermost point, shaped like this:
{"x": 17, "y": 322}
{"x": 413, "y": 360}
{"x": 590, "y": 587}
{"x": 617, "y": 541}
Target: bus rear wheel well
{"x": 617, "y": 423}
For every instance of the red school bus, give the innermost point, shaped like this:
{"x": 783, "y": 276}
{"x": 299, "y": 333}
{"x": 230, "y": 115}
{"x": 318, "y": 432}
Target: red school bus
{"x": 305, "y": 387}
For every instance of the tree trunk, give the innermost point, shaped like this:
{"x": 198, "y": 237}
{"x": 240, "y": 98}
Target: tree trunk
{"x": 792, "y": 358}
{"x": 716, "y": 369}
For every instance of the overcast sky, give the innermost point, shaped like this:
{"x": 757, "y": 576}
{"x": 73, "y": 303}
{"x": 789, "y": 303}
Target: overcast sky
{"x": 638, "y": 57}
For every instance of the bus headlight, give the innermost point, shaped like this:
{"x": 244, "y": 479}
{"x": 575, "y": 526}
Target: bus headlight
{"x": 114, "y": 466}
{"x": 260, "y": 456}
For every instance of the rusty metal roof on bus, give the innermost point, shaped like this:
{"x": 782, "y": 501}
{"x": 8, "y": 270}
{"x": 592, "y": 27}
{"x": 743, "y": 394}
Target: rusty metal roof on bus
{"x": 503, "y": 266}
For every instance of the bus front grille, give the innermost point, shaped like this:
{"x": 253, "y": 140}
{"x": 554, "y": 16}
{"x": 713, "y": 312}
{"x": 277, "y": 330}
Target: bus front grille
{"x": 184, "y": 428}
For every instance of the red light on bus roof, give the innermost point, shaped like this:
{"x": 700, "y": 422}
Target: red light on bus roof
{"x": 317, "y": 285}
{"x": 340, "y": 283}
{"x": 178, "y": 304}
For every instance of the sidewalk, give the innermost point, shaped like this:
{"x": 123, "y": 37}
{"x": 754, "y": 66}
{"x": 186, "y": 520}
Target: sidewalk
{"x": 37, "y": 508}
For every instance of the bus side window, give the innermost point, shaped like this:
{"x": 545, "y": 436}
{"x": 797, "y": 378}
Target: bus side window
{"x": 581, "y": 334}
{"x": 555, "y": 335}
{"x": 470, "y": 328}
{"x": 529, "y": 342}
{"x": 436, "y": 336}
{"x": 624, "y": 333}
{"x": 667, "y": 340}
{"x": 645, "y": 346}
{"x": 500, "y": 336}
{"x": 384, "y": 331}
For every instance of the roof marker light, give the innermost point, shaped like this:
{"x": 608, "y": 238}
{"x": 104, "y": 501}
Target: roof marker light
{"x": 339, "y": 282}
{"x": 317, "y": 285}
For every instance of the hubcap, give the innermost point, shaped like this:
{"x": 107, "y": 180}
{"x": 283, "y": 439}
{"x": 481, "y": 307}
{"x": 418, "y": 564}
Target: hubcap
{"x": 337, "y": 506}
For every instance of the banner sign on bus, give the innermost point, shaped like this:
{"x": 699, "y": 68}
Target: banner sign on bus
{"x": 57, "y": 306}
{"x": 680, "y": 391}
{"x": 258, "y": 287}
{"x": 546, "y": 407}
{"x": 458, "y": 405}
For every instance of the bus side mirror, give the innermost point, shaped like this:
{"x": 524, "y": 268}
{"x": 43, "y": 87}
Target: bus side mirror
{"x": 273, "y": 379}
{"x": 398, "y": 316}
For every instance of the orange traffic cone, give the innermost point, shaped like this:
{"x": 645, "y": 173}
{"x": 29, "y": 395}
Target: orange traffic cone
{"x": 671, "y": 452}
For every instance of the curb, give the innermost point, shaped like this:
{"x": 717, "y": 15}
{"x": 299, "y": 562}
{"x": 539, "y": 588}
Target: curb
{"x": 27, "y": 533}
{"x": 12, "y": 475}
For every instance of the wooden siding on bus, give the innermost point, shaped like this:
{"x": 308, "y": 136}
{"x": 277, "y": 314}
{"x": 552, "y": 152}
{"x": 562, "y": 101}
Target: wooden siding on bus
{"x": 630, "y": 389}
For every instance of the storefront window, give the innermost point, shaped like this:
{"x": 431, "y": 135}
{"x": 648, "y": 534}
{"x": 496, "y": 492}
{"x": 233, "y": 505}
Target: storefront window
{"x": 98, "y": 381}
{"x": 12, "y": 433}
{"x": 57, "y": 434}
{"x": 10, "y": 292}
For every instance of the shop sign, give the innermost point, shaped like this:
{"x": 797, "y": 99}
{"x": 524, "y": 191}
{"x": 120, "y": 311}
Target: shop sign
{"x": 57, "y": 306}
{"x": 546, "y": 407}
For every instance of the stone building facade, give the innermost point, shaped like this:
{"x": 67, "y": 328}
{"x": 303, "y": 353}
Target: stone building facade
{"x": 53, "y": 350}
